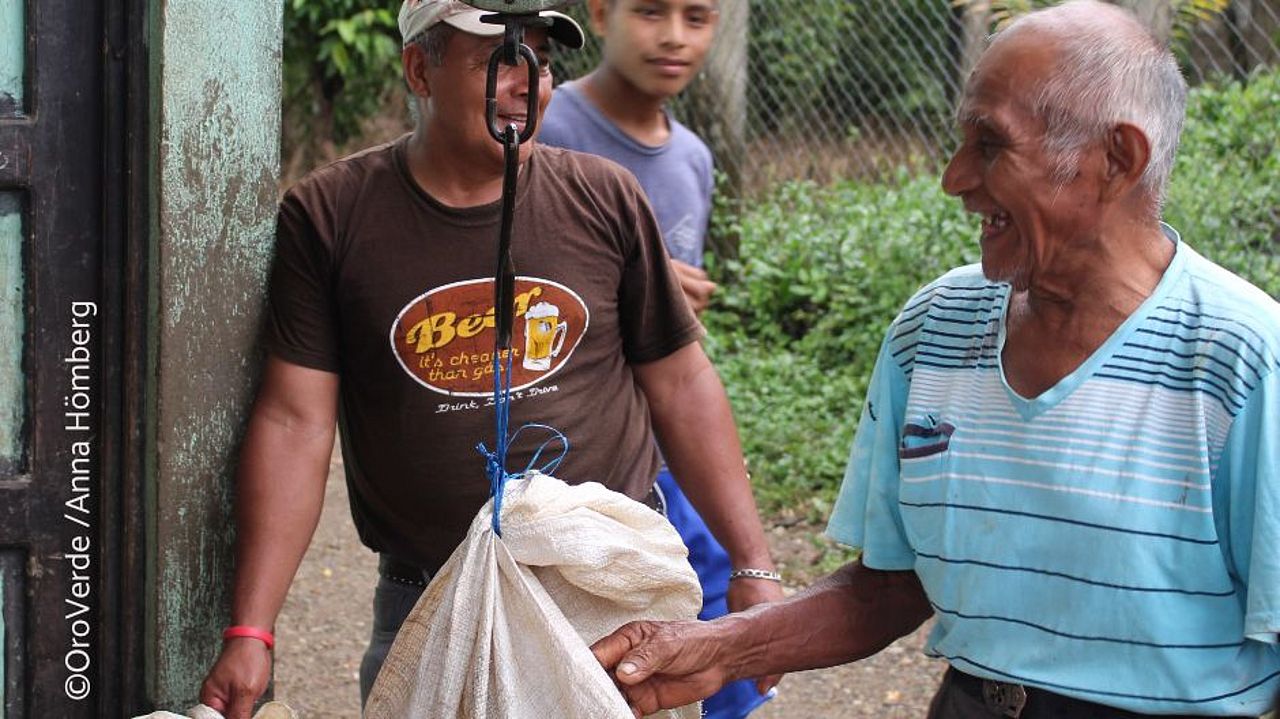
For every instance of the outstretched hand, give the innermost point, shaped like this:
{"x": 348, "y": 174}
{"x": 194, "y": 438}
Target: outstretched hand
{"x": 665, "y": 665}
{"x": 745, "y": 593}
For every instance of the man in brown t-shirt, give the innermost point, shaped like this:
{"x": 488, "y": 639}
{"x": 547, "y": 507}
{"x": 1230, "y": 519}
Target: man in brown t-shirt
{"x": 382, "y": 318}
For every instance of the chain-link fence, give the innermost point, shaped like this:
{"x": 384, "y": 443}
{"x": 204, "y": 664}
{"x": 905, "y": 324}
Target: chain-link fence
{"x": 825, "y": 89}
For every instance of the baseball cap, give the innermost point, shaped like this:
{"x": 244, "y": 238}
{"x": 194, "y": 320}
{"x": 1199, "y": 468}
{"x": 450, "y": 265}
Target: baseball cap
{"x": 417, "y": 16}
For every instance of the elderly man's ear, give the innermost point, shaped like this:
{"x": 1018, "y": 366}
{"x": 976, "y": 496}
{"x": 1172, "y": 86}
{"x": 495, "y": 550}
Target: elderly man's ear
{"x": 1127, "y": 155}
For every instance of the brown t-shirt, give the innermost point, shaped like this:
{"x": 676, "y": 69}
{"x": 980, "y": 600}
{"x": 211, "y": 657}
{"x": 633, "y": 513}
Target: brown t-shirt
{"x": 380, "y": 283}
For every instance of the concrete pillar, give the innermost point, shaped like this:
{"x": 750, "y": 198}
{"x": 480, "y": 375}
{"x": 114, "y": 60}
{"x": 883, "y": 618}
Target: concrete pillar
{"x": 976, "y": 26}
{"x": 716, "y": 105}
{"x": 215, "y": 146}
{"x": 12, "y": 281}
{"x": 1157, "y": 15}
{"x": 720, "y": 97}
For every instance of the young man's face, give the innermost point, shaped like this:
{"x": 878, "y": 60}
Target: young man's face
{"x": 656, "y": 45}
{"x": 455, "y": 89}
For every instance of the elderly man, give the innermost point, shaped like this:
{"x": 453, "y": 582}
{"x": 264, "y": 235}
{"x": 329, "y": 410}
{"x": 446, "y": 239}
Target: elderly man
{"x": 1069, "y": 456}
{"x": 382, "y": 315}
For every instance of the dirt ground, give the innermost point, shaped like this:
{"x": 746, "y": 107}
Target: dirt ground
{"x": 323, "y": 628}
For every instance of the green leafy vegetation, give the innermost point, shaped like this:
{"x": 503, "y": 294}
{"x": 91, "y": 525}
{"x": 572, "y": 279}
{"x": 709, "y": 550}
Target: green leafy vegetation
{"x": 341, "y": 61}
{"x": 823, "y": 270}
{"x": 801, "y": 314}
{"x": 1225, "y": 195}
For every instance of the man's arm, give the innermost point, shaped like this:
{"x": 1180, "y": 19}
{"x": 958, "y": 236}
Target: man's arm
{"x": 695, "y": 429}
{"x": 284, "y": 463}
{"x": 849, "y": 615}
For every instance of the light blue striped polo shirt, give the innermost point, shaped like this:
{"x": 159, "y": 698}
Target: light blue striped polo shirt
{"x": 1116, "y": 539}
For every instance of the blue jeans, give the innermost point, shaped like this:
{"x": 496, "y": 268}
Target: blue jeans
{"x": 392, "y": 602}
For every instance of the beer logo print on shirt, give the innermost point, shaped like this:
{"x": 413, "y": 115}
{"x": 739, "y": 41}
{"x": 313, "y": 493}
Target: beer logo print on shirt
{"x": 444, "y": 338}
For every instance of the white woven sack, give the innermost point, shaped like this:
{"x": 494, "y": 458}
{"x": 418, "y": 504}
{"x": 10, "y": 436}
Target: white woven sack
{"x": 504, "y": 629}
{"x": 270, "y": 710}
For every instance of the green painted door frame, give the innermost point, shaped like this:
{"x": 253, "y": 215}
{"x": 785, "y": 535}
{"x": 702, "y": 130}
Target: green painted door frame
{"x": 138, "y": 165}
{"x": 68, "y": 120}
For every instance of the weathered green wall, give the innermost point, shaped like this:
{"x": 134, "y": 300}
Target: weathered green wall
{"x": 12, "y": 54}
{"x": 2, "y": 711}
{"x": 12, "y": 328}
{"x": 216, "y": 102}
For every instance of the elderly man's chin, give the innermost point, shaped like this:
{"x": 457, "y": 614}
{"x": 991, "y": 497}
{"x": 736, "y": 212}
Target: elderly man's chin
{"x": 1001, "y": 263}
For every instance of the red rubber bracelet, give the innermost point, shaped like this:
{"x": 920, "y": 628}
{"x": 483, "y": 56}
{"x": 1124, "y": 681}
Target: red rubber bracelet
{"x": 261, "y": 635}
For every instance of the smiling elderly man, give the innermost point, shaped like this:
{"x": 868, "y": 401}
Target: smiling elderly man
{"x": 1068, "y": 456}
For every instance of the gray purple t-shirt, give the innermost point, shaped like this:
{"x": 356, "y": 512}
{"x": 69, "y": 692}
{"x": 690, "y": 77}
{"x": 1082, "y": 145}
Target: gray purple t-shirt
{"x": 677, "y": 175}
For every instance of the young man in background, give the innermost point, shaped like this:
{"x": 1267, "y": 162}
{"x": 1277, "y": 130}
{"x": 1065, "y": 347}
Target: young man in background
{"x": 652, "y": 49}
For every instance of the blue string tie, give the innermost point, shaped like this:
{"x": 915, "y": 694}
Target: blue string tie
{"x": 496, "y": 460}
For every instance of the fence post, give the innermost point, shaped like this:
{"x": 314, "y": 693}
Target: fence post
{"x": 1239, "y": 17}
{"x": 1156, "y": 15}
{"x": 717, "y": 105}
{"x": 976, "y": 24}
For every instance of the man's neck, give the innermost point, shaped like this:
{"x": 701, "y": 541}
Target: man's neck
{"x": 1107, "y": 278}
{"x": 640, "y": 116}
{"x": 450, "y": 178}
{"x": 1066, "y": 315}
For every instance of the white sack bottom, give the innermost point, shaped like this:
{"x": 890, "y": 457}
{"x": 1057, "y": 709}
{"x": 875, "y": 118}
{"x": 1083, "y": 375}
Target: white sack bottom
{"x": 270, "y": 710}
{"x": 503, "y": 630}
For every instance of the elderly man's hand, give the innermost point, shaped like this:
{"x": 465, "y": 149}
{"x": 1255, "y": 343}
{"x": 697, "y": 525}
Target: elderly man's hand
{"x": 745, "y": 593}
{"x": 697, "y": 288}
{"x": 664, "y": 665}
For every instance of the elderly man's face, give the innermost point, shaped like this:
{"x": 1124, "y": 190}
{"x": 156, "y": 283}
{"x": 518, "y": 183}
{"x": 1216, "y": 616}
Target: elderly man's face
{"x": 1002, "y": 172}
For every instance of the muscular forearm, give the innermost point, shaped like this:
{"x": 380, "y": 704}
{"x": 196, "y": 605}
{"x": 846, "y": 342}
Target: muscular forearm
{"x": 279, "y": 492}
{"x": 700, "y": 444}
{"x": 849, "y": 615}
{"x": 279, "y": 495}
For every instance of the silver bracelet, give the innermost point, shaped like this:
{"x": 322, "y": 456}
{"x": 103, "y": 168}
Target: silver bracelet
{"x": 755, "y": 574}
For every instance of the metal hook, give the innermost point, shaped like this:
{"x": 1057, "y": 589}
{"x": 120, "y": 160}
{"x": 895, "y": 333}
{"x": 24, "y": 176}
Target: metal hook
{"x": 491, "y": 92}
{"x": 510, "y": 52}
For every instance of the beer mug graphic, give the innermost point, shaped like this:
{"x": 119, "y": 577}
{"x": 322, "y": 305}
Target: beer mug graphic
{"x": 544, "y": 335}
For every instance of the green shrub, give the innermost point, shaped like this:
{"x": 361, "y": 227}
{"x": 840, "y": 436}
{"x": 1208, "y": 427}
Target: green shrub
{"x": 340, "y": 59}
{"x": 823, "y": 270}
{"x": 1225, "y": 194}
{"x": 801, "y": 315}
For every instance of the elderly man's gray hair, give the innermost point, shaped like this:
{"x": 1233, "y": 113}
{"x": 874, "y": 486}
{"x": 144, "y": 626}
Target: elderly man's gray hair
{"x": 1112, "y": 70}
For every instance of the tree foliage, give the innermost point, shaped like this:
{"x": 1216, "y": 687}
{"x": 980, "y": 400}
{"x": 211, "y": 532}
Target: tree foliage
{"x": 341, "y": 59}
